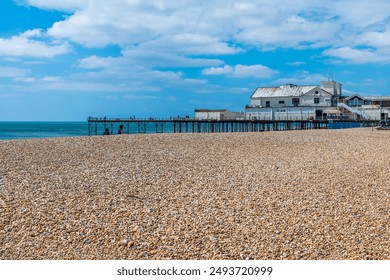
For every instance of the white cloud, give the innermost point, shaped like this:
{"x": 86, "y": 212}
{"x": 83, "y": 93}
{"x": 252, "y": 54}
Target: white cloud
{"x": 189, "y": 43}
{"x": 188, "y": 28}
{"x": 95, "y": 62}
{"x": 25, "y": 79}
{"x": 360, "y": 13}
{"x": 51, "y": 79}
{"x": 139, "y": 97}
{"x": 147, "y": 58}
{"x": 296, "y": 63}
{"x": 294, "y": 31}
{"x": 261, "y": 23}
{"x": 13, "y": 72}
{"x": 62, "y": 5}
{"x": 22, "y": 46}
{"x": 32, "y": 33}
{"x": 302, "y": 78}
{"x": 227, "y": 69}
{"x": 258, "y": 71}
{"x": 241, "y": 71}
{"x": 359, "y": 56}
{"x": 376, "y": 39}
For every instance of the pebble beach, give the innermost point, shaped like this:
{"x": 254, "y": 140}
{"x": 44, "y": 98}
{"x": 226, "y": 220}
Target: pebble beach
{"x": 314, "y": 194}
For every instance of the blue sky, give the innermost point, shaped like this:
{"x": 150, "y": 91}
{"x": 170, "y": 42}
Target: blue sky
{"x": 69, "y": 59}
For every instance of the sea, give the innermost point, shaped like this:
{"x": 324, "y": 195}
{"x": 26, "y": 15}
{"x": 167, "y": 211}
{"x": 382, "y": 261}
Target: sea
{"x": 26, "y": 130}
{"x": 29, "y": 130}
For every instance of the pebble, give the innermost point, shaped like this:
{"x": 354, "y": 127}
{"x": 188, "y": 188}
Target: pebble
{"x": 315, "y": 194}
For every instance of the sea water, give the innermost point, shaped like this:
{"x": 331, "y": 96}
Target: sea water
{"x": 26, "y": 130}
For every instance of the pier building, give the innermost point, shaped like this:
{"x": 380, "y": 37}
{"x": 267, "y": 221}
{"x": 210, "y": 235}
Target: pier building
{"x": 324, "y": 102}
{"x": 206, "y": 114}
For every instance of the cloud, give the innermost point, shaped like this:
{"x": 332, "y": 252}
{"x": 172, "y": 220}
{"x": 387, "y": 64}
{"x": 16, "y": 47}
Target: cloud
{"x": 61, "y": 5}
{"x": 146, "y": 58}
{"x": 241, "y": 71}
{"x": 273, "y": 23}
{"x": 227, "y": 69}
{"x": 296, "y": 63}
{"x": 139, "y": 97}
{"x": 359, "y": 56}
{"x": 259, "y": 71}
{"x": 181, "y": 30}
{"x": 13, "y": 72}
{"x": 95, "y": 62}
{"x": 189, "y": 43}
{"x": 376, "y": 39}
{"x": 302, "y": 78}
{"x": 294, "y": 31}
{"x": 361, "y": 13}
{"x": 32, "y": 33}
{"x": 24, "y": 47}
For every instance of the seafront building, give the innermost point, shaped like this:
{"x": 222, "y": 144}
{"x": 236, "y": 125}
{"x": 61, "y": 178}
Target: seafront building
{"x": 324, "y": 102}
{"x": 293, "y": 102}
{"x": 206, "y": 114}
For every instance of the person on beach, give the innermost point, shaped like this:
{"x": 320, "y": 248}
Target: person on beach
{"x": 120, "y": 131}
{"x": 106, "y": 132}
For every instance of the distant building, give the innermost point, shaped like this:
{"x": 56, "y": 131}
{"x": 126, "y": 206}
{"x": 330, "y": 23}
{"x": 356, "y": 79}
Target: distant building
{"x": 206, "y": 114}
{"x": 293, "y": 102}
{"x": 375, "y": 107}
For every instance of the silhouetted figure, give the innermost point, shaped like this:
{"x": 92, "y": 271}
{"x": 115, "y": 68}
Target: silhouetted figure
{"x": 120, "y": 131}
{"x": 106, "y": 132}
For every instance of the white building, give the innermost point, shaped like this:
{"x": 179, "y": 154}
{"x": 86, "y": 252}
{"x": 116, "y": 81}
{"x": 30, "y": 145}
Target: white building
{"x": 206, "y": 114}
{"x": 375, "y": 107}
{"x": 293, "y": 102}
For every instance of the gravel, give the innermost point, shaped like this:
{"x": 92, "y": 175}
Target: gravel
{"x": 315, "y": 194}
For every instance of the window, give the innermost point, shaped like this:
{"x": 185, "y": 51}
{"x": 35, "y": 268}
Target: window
{"x": 316, "y": 92}
{"x": 295, "y": 102}
{"x": 316, "y": 100}
{"x": 281, "y": 101}
{"x": 267, "y": 104}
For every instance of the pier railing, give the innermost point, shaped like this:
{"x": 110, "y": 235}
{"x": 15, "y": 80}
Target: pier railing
{"x": 96, "y": 126}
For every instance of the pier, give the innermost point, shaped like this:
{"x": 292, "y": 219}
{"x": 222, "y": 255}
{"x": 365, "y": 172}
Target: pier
{"x": 96, "y": 126}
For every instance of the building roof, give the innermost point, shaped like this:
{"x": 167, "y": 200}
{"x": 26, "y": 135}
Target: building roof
{"x": 282, "y": 91}
{"x": 355, "y": 95}
{"x": 371, "y": 98}
{"x": 378, "y": 98}
{"x": 208, "y": 110}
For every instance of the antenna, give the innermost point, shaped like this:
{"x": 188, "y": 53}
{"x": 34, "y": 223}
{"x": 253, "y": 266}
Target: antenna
{"x": 334, "y": 74}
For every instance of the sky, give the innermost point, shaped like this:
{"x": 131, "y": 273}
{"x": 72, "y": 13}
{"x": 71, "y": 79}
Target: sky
{"x": 65, "y": 60}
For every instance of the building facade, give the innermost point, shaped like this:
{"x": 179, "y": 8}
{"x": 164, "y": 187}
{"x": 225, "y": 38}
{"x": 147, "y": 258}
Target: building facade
{"x": 206, "y": 114}
{"x": 324, "y": 102}
{"x": 293, "y": 102}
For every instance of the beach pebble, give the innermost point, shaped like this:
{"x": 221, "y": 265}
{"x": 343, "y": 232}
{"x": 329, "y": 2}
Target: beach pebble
{"x": 314, "y": 194}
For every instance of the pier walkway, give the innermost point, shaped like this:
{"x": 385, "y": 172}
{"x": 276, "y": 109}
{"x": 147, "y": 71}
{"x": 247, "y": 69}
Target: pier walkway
{"x": 96, "y": 126}
{"x": 189, "y": 125}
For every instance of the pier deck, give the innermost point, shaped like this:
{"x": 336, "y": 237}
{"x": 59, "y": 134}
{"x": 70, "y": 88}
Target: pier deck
{"x": 190, "y": 125}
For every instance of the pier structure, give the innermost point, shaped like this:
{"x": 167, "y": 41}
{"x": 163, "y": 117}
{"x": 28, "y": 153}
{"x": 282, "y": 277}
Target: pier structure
{"x": 190, "y": 125}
